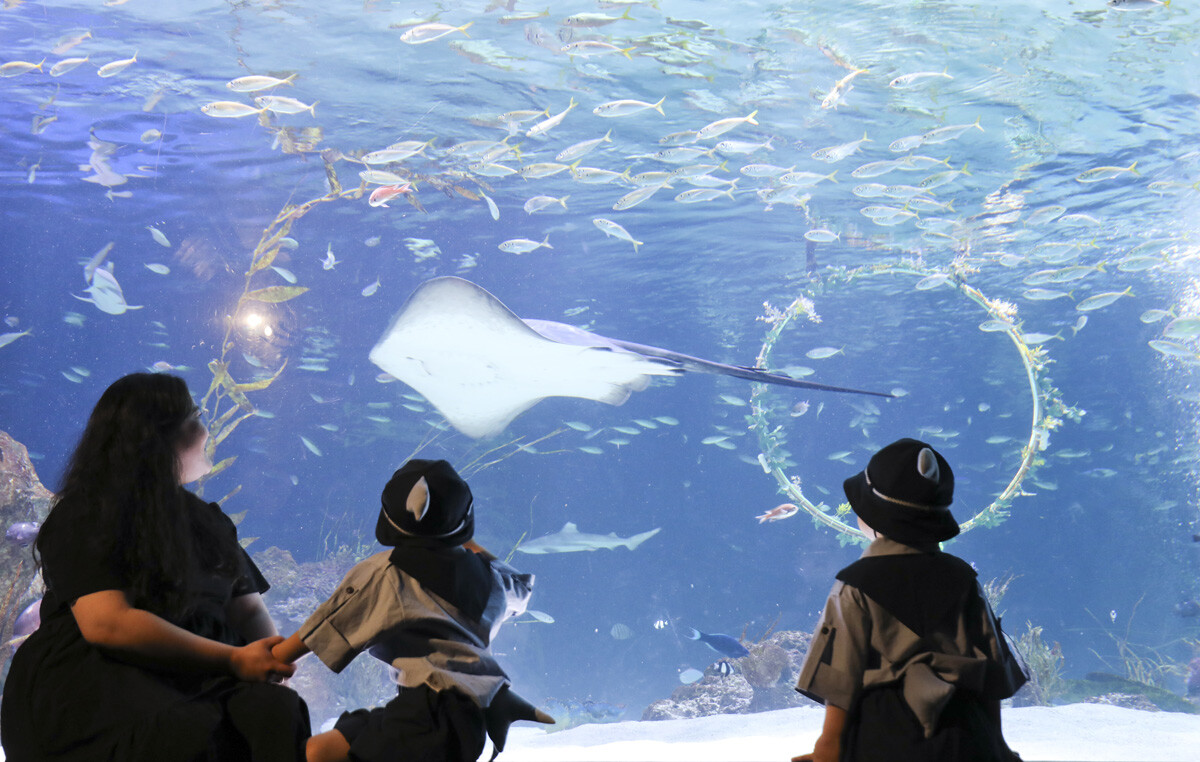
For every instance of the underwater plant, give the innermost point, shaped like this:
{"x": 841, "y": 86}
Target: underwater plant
{"x": 1048, "y": 407}
{"x": 1045, "y": 665}
{"x": 1146, "y": 665}
{"x": 995, "y": 589}
{"x": 225, "y": 404}
{"x": 1143, "y": 684}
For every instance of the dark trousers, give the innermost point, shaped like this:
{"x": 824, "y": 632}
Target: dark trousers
{"x": 419, "y": 725}
{"x": 881, "y": 728}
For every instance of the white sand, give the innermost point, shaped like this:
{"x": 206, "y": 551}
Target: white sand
{"x": 1075, "y": 732}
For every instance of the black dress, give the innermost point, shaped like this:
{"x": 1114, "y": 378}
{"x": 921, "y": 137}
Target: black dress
{"x": 66, "y": 700}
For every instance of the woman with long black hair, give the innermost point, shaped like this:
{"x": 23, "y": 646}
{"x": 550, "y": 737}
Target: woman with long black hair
{"x": 154, "y": 643}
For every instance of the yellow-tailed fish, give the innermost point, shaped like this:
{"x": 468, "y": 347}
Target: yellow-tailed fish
{"x": 114, "y": 68}
{"x": 423, "y": 33}
{"x": 255, "y": 82}
{"x": 627, "y": 107}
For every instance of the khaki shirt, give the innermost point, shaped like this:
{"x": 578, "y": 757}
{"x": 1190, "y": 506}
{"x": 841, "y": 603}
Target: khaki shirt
{"x": 841, "y": 660}
{"x": 380, "y": 609}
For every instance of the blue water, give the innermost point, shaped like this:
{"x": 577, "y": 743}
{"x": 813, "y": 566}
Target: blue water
{"x": 1059, "y": 88}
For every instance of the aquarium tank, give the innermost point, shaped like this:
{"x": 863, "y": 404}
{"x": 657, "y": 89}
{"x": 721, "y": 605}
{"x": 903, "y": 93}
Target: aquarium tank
{"x": 971, "y": 223}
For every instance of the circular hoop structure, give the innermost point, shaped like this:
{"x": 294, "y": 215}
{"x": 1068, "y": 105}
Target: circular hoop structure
{"x": 1049, "y": 409}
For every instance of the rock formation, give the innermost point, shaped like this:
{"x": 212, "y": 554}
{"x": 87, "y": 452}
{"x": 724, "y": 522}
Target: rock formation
{"x": 23, "y": 502}
{"x": 760, "y": 682}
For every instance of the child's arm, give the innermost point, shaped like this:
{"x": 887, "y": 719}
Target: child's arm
{"x": 290, "y": 649}
{"x": 828, "y": 747}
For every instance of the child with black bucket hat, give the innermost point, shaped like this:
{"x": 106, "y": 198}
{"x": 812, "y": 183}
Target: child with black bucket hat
{"x": 909, "y": 659}
{"x": 429, "y": 607}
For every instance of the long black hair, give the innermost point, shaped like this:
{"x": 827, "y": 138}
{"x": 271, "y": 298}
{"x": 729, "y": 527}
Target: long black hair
{"x": 121, "y": 485}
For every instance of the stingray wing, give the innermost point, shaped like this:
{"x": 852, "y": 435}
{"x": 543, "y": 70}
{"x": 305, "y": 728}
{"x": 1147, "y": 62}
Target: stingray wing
{"x": 481, "y": 366}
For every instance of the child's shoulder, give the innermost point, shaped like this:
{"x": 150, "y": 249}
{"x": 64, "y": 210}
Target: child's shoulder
{"x": 371, "y": 566}
{"x": 382, "y": 558}
{"x": 960, "y": 566}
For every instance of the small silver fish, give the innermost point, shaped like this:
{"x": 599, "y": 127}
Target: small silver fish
{"x": 837, "y": 153}
{"x": 821, "y": 353}
{"x": 423, "y": 33}
{"x": 524, "y": 245}
{"x": 159, "y": 237}
{"x": 627, "y": 107}
{"x": 114, "y": 68}
{"x": 1105, "y": 173}
{"x": 1137, "y": 5}
{"x": 254, "y": 83}
{"x": 8, "y": 338}
{"x": 229, "y": 109}
{"x": 281, "y": 104}
{"x": 821, "y": 235}
{"x": 1102, "y": 300}
{"x": 614, "y": 230}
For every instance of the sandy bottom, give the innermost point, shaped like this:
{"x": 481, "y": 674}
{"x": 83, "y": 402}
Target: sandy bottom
{"x": 1075, "y": 732}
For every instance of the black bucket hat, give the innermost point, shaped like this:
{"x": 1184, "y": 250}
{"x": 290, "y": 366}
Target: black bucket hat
{"x": 905, "y": 493}
{"x": 443, "y": 513}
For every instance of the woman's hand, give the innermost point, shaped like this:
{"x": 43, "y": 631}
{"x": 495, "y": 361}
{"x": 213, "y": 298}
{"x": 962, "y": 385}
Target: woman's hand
{"x": 254, "y": 662}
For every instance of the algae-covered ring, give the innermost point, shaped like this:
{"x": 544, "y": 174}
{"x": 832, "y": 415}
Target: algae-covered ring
{"x": 1048, "y": 406}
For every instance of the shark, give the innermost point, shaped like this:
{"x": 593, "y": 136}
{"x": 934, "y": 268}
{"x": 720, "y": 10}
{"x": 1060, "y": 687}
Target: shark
{"x": 104, "y": 292}
{"x": 481, "y": 366}
{"x": 570, "y": 540}
{"x": 103, "y": 289}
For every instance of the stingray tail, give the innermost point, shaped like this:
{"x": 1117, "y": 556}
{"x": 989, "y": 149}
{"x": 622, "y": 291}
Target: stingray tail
{"x": 700, "y": 365}
{"x": 767, "y": 377}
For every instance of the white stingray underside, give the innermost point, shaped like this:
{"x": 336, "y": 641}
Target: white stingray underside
{"x": 481, "y": 366}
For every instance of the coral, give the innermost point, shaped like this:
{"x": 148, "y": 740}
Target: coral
{"x": 571, "y": 713}
{"x": 19, "y": 483}
{"x": 712, "y": 694}
{"x": 760, "y": 682}
{"x": 764, "y": 666}
{"x": 795, "y": 644}
{"x": 1124, "y": 700}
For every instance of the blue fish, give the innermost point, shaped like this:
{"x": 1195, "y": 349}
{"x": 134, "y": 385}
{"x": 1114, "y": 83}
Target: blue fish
{"x": 726, "y": 645}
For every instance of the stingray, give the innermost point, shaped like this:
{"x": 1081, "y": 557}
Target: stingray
{"x": 481, "y": 366}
